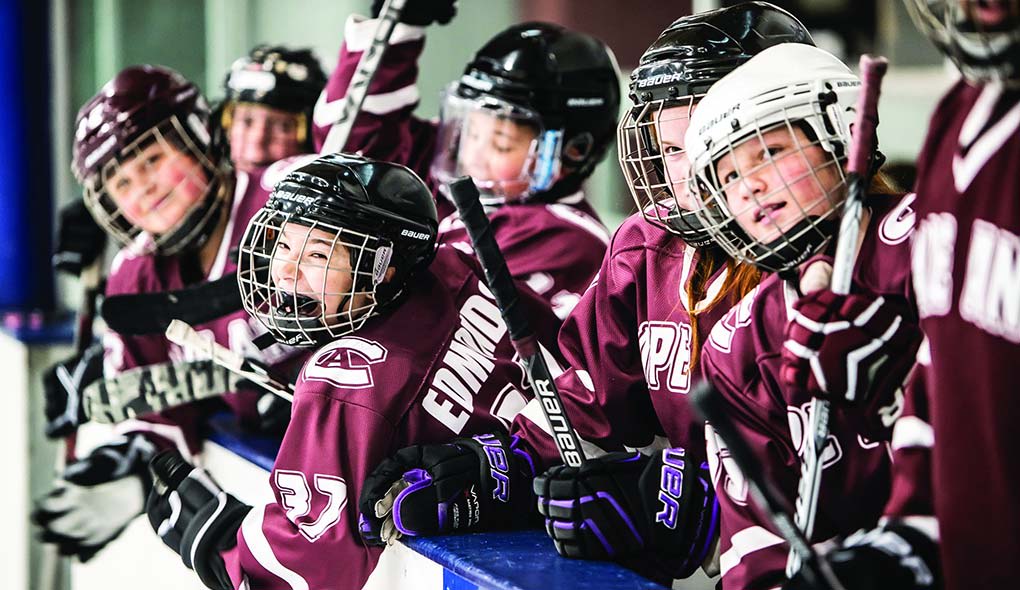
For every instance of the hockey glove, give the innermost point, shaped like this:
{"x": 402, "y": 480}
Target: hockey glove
{"x": 848, "y": 348}
{"x": 894, "y": 555}
{"x": 274, "y": 414}
{"x": 194, "y": 516}
{"x": 63, "y": 384}
{"x": 80, "y": 240}
{"x": 472, "y": 484}
{"x": 422, "y": 13}
{"x": 96, "y": 498}
{"x": 625, "y": 504}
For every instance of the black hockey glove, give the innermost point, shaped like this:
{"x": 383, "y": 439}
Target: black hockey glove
{"x": 80, "y": 240}
{"x": 894, "y": 555}
{"x": 194, "y": 516}
{"x": 96, "y": 498}
{"x": 274, "y": 414}
{"x": 422, "y": 13}
{"x": 472, "y": 484}
{"x": 624, "y": 504}
{"x": 63, "y": 384}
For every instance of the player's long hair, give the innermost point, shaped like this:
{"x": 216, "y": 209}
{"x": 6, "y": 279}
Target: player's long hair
{"x": 742, "y": 278}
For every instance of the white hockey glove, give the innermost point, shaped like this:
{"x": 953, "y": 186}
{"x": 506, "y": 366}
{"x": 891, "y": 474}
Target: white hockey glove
{"x": 96, "y": 498}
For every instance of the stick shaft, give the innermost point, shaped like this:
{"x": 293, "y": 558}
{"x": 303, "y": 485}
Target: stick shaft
{"x": 465, "y": 196}
{"x": 357, "y": 90}
{"x": 186, "y": 337}
{"x": 861, "y": 150}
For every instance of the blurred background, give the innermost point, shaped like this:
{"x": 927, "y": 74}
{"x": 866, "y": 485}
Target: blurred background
{"x": 55, "y": 54}
{"x": 59, "y": 52}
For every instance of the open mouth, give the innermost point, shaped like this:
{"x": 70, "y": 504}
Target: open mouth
{"x": 766, "y": 214}
{"x": 990, "y": 13}
{"x": 296, "y": 305}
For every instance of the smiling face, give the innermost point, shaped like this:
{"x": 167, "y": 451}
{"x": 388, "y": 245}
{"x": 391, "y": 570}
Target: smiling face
{"x": 497, "y": 149}
{"x": 154, "y": 187}
{"x": 260, "y": 135}
{"x": 774, "y": 180}
{"x": 312, "y": 263}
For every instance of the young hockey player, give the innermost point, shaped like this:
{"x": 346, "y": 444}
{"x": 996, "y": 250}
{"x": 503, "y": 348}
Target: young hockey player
{"x": 413, "y": 351}
{"x": 768, "y": 145}
{"x": 529, "y": 120}
{"x": 267, "y": 111}
{"x": 157, "y": 181}
{"x": 632, "y": 340}
{"x": 965, "y": 280}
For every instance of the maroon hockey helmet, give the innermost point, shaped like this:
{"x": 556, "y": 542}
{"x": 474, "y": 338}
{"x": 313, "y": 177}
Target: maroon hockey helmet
{"x": 140, "y": 107}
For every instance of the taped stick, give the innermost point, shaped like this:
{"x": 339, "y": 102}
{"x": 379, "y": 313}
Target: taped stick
{"x": 465, "y": 196}
{"x": 200, "y": 346}
{"x": 862, "y": 149}
{"x": 154, "y": 388}
{"x": 368, "y": 65}
{"x": 707, "y": 401}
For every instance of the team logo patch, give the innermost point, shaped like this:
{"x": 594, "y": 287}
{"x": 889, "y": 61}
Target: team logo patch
{"x": 346, "y": 363}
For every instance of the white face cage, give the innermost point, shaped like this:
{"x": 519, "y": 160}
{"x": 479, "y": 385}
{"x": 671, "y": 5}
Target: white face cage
{"x": 502, "y": 146}
{"x": 160, "y": 194}
{"x": 772, "y": 198}
{"x": 981, "y": 36}
{"x": 654, "y": 162}
{"x": 307, "y": 281}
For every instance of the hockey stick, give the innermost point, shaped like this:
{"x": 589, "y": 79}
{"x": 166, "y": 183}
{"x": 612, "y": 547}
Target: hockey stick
{"x": 771, "y": 501}
{"x": 151, "y": 313}
{"x": 338, "y": 134}
{"x": 465, "y": 196}
{"x": 862, "y": 147}
{"x": 50, "y": 570}
{"x": 154, "y": 388}
{"x": 200, "y": 346}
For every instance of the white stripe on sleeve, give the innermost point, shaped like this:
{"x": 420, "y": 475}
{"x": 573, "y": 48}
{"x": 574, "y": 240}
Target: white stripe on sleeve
{"x": 255, "y": 538}
{"x": 745, "y": 542}
{"x": 911, "y": 431}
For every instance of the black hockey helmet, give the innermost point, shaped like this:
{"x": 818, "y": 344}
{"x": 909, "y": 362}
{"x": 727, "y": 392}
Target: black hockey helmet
{"x": 382, "y": 214}
{"x": 141, "y": 106}
{"x": 563, "y": 83}
{"x": 278, "y": 77}
{"x": 981, "y": 36}
{"x": 677, "y": 69}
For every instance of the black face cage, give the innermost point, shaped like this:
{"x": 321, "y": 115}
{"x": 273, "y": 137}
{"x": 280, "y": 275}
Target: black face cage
{"x": 194, "y": 227}
{"x": 642, "y": 158}
{"x": 983, "y": 51}
{"x": 312, "y": 310}
{"x": 733, "y": 205}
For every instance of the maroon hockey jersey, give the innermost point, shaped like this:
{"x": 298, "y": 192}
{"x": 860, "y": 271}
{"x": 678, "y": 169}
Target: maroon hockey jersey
{"x": 966, "y": 266}
{"x": 132, "y": 273}
{"x": 742, "y": 359}
{"x": 554, "y": 248}
{"x": 447, "y": 370}
{"x": 628, "y": 345}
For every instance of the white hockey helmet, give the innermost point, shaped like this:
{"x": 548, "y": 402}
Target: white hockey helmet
{"x": 798, "y": 97}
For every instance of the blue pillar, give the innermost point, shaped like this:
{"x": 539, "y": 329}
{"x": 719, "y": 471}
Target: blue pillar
{"x": 26, "y": 184}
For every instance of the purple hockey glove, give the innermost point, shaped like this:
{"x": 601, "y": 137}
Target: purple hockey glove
{"x": 849, "y": 348}
{"x": 625, "y": 504}
{"x": 472, "y": 484}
